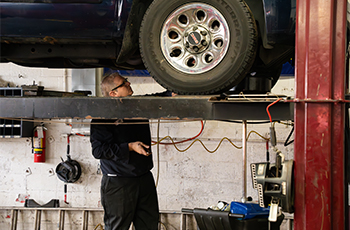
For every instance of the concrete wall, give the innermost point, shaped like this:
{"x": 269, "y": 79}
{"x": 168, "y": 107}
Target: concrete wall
{"x": 189, "y": 179}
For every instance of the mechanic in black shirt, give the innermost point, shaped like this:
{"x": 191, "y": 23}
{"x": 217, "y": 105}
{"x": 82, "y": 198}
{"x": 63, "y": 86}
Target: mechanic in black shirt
{"x": 128, "y": 192}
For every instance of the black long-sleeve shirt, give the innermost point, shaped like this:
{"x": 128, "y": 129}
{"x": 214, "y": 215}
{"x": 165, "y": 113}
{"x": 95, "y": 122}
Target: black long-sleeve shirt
{"x": 110, "y": 144}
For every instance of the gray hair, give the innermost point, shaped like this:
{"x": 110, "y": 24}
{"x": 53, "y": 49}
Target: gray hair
{"x": 107, "y": 83}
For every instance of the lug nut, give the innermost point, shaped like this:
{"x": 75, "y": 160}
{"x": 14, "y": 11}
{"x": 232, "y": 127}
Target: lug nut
{"x": 195, "y": 49}
{"x": 187, "y": 45}
{"x": 204, "y": 33}
{"x": 204, "y": 42}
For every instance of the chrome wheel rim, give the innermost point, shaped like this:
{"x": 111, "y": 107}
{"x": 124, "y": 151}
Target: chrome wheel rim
{"x": 195, "y": 38}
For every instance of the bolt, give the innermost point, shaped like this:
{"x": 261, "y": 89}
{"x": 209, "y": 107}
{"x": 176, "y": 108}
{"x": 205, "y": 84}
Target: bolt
{"x": 51, "y": 139}
{"x": 204, "y": 42}
{"x": 204, "y": 33}
{"x": 28, "y": 171}
{"x": 51, "y": 172}
{"x": 195, "y": 28}
{"x": 195, "y": 48}
{"x": 187, "y": 45}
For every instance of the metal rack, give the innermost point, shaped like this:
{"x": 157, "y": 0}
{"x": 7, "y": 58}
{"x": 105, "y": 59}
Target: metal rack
{"x": 85, "y": 216}
{"x": 13, "y": 128}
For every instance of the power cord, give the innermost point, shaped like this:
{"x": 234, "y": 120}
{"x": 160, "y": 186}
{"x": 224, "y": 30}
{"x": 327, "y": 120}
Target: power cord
{"x": 189, "y": 139}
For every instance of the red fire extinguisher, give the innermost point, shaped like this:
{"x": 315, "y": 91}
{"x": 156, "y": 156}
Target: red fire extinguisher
{"x": 38, "y": 144}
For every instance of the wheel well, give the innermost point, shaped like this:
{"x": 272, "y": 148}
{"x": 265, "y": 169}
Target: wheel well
{"x": 130, "y": 44}
{"x": 257, "y": 9}
{"x": 268, "y": 55}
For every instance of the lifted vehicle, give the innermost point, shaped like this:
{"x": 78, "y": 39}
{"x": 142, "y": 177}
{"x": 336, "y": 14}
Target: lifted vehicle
{"x": 188, "y": 46}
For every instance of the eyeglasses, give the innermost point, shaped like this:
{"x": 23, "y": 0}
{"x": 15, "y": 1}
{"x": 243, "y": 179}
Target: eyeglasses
{"x": 121, "y": 85}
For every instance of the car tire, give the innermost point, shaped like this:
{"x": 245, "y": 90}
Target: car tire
{"x": 198, "y": 47}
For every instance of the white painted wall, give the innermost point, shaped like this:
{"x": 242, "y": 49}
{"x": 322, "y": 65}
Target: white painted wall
{"x": 194, "y": 178}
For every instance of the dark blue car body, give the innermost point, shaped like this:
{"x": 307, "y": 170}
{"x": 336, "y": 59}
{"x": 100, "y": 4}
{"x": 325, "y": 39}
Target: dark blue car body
{"x": 105, "y": 33}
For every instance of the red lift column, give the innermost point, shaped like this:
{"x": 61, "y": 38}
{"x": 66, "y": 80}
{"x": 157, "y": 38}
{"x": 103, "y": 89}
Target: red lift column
{"x": 319, "y": 115}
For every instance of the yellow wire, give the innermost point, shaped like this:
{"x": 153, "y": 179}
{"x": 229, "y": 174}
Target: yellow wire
{"x": 163, "y": 225}
{"x": 99, "y": 225}
{"x": 284, "y": 123}
{"x": 210, "y": 151}
{"x": 241, "y": 93}
{"x": 265, "y": 138}
{"x": 269, "y": 93}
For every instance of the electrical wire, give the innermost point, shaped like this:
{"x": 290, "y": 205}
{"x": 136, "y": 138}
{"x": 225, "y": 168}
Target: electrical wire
{"x": 248, "y": 99}
{"x": 248, "y": 122}
{"x": 267, "y": 151}
{"x": 265, "y": 138}
{"x": 283, "y": 123}
{"x": 163, "y": 225}
{"x": 287, "y": 142}
{"x": 211, "y": 151}
{"x": 76, "y": 134}
{"x": 241, "y": 93}
{"x": 98, "y": 226}
{"x": 267, "y": 108}
{"x": 179, "y": 142}
{"x": 198, "y": 140}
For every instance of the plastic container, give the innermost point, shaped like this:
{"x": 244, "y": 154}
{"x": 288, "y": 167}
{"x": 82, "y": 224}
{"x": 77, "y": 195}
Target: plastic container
{"x": 249, "y": 210}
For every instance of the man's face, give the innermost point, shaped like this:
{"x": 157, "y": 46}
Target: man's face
{"x": 124, "y": 89}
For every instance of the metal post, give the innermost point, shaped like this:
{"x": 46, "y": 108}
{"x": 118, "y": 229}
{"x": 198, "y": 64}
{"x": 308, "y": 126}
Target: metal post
{"x": 85, "y": 220}
{"x": 319, "y": 126}
{"x": 37, "y": 219}
{"x": 14, "y": 217}
{"x": 244, "y": 150}
{"x": 61, "y": 220}
{"x": 183, "y": 221}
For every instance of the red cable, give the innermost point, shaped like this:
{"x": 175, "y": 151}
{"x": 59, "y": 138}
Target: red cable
{"x": 200, "y": 132}
{"x": 267, "y": 108}
{"x": 79, "y": 134}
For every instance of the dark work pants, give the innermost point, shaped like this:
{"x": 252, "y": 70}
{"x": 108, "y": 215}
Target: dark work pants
{"x": 130, "y": 199}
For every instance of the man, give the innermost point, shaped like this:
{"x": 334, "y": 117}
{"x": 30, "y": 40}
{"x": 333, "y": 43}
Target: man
{"x": 128, "y": 192}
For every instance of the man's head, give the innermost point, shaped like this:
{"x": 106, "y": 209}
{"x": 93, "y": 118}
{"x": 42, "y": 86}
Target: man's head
{"x": 114, "y": 85}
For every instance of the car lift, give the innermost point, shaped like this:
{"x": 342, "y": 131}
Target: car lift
{"x": 231, "y": 107}
{"x": 179, "y": 107}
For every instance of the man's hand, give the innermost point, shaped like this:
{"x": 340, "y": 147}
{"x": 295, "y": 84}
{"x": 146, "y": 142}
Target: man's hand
{"x": 140, "y": 148}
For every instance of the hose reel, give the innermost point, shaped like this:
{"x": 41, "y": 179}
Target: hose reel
{"x": 68, "y": 171}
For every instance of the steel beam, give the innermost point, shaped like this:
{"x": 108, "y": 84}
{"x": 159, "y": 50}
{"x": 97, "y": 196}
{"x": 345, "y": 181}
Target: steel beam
{"x": 319, "y": 126}
{"x": 179, "y": 107}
